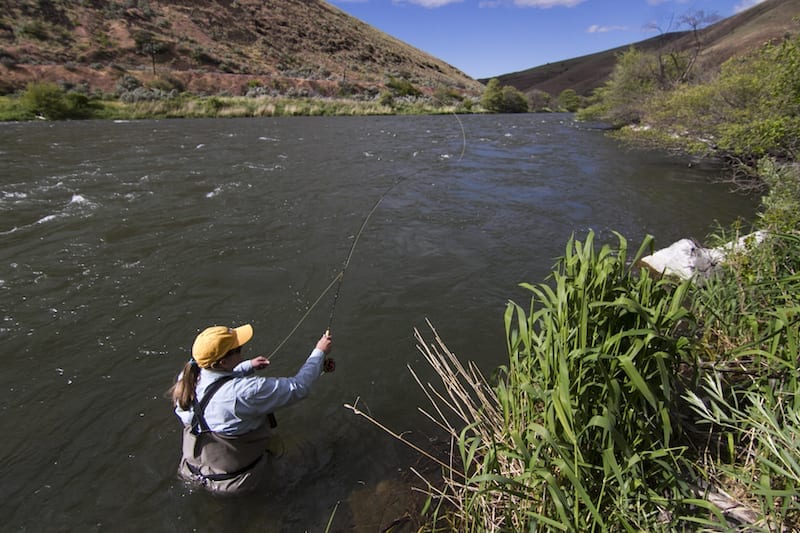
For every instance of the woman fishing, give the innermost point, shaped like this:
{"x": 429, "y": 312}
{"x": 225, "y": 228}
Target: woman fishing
{"x": 226, "y": 409}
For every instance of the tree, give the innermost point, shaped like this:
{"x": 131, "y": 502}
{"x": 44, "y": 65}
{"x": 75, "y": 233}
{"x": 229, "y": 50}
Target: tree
{"x": 492, "y": 96}
{"x": 540, "y": 100}
{"x": 147, "y": 44}
{"x": 632, "y": 83}
{"x": 503, "y": 99}
{"x": 52, "y": 102}
{"x": 675, "y": 65}
{"x": 44, "y": 99}
{"x": 568, "y": 99}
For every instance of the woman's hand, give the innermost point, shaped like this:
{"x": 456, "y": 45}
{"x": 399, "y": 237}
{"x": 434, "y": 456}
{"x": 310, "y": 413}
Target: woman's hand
{"x": 259, "y": 362}
{"x": 325, "y": 343}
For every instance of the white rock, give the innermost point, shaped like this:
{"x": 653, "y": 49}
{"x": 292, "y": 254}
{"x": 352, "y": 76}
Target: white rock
{"x": 687, "y": 259}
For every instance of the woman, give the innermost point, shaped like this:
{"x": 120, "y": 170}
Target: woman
{"x": 226, "y": 409}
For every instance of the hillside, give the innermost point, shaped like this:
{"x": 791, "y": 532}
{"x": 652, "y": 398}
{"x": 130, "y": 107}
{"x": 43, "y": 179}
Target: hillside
{"x": 768, "y": 21}
{"x": 210, "y": 47}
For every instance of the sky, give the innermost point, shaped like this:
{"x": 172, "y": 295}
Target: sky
{"x": 486, "y": 38}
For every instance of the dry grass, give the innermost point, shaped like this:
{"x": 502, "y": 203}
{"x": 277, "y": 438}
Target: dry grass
{"x": 210, "y": 46}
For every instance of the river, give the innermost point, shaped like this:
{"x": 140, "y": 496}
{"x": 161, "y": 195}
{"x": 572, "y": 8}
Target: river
{"x": 121, "y": 240}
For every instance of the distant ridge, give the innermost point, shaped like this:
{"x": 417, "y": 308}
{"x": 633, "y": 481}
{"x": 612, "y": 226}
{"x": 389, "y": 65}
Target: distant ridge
{"x": 740, "y": 33}
{"x": 210, "y": 46}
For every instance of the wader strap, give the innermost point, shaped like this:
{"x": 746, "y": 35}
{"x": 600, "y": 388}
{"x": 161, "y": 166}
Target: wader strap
{"x": 199, "y": 424}
{"x": 221, "y": 477}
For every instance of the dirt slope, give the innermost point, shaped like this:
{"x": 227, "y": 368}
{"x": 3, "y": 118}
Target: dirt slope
{"x": 209, "y": 46}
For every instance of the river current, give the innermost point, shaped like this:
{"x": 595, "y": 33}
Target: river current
{"x": 119, "y": 241}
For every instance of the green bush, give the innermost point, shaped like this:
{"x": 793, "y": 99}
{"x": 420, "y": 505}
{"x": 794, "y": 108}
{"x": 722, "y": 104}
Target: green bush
{"x": 781, "y": 206}
{"x": 606, "y": 416}
{"x": 53, "y": 103}
{"x": 45, "y": 99}
{"x": 750, "y": 399}
{"x": 591, "y": 389}
{"x": 402, "y": 87}
{"x": 503, "y": 99}
{"x": 35, "y": 29}
{"x": 623, "y": 98}
{"x": 569, "y": 100}
{"x": 750, "y": 110}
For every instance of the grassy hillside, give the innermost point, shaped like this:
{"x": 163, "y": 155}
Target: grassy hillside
{"x": 209, "y": 46}
{"x": 770, "y": 20}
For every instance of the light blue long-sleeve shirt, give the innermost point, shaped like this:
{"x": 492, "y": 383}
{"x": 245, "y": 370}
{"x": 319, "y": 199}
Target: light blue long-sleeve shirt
{"x": 242, "y": 404}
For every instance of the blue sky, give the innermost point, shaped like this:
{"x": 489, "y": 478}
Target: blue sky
{"x": 486, "y": 38}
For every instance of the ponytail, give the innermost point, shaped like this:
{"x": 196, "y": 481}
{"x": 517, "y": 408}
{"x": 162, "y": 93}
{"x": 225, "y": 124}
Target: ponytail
{"x": 183, "y": 391}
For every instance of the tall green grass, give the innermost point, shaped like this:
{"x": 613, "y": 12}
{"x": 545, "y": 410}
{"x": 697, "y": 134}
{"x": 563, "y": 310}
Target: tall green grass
{"x": 579, "y": 433}
{"x": 596, "y": 361}
{"x": 749, "y": 403}
{"x": 631, "y": 403}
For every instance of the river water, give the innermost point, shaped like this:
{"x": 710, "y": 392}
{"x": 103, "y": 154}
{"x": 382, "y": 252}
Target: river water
{"x": 120, "y": 241}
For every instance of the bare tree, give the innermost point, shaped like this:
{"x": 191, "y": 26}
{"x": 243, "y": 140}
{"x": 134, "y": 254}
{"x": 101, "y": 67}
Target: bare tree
{"x": 674, "y": 63}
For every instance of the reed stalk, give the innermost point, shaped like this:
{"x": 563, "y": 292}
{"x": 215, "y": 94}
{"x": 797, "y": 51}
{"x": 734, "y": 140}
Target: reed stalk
{"x": 579, "y": 433}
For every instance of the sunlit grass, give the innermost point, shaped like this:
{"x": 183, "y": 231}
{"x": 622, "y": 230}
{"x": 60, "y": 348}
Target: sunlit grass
{"x": 630, "y": 403}
{"x": 187, "y": 106}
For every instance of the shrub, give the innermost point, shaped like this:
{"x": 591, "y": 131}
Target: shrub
{"x": 579, "y": 433}
{"x": 781, "y": 205}
{"x": 45, "y": 99}
{"x": 52, "y": 102}
{"x": 8, "y": 59}
{"x": 750, "y": 110}
{"x": 35, "y": 29}
{"x": 127, "y": 83}
{"x": 632, "y": 83}
{"x": 503, "y": 99}
{"x": 402, "y": 87}
{"x": 569, "y": 100}
{"x": 540, "y": 100}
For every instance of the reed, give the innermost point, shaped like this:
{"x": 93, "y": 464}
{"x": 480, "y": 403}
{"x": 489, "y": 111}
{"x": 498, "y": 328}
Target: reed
{"x": 579, "y": 432}
{"x": 749, "y": 401}
{"x": 630, "y": 403}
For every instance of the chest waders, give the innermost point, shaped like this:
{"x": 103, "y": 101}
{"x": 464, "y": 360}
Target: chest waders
{"x": 222, "y": 463}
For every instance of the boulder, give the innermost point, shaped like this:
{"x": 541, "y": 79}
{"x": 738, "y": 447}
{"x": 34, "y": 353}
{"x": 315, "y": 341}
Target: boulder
{"x": 687, "y": 259}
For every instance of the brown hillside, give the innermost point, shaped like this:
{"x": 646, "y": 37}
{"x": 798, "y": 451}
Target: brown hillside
{"x": 210, "y": 46}
{"x": 741, "y": 33}
{"x": 582, "y": 74}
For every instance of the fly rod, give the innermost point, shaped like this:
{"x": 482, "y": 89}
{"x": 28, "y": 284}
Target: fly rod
{"x": 339, "y": 278}
{"x": 364, "y": 225}
{"x": 346, "y": 263}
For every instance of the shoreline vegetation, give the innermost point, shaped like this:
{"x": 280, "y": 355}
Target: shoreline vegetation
{"x": 56, "y": 104}
{"x": 162, "y": 98}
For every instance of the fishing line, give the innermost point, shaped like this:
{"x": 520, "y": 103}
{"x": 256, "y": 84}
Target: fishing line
{"x": 463, "y": 137}
{"x": 353, "y": 248}
{"x": 339, "y": 278}
{"x": 308, "y": 312}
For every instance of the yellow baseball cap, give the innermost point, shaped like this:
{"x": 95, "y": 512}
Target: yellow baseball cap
{"x": 213, "y": 343}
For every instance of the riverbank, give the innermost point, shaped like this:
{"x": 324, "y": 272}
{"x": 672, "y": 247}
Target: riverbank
{"x": 51, "y": 103}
